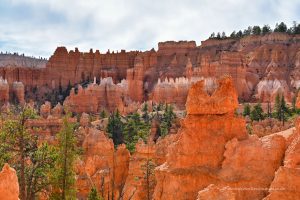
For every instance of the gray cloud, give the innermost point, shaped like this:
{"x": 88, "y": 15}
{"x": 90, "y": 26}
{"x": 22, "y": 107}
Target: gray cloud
{"x": 38, "y": 27}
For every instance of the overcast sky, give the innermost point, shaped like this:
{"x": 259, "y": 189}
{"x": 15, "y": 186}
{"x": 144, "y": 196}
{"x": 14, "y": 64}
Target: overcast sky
{"x": 37, "y": 27}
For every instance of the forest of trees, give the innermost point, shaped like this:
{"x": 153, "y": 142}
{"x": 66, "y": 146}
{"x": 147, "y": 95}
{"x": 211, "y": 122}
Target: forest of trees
{"x": 129, "y": 129}
{"x": 257, "y": 30}
{"x": 41, "y": 168}
{"x": 280, "y": 111}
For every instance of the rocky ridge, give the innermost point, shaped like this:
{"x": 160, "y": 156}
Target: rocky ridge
{"x": 261, "y": 67}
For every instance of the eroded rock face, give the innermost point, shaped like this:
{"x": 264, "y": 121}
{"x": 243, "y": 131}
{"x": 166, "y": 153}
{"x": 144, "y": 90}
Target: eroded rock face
{"x": 260, "y": 66}
{"x": 137, "y": 186}
{"x": 9, "y": 186}
{"x": 84, "y": 120}
{"x": 223, "y": 100}
{"x": 135, "y": 78}
{"x": 45, "y": 109}
{"x": 57, "y": 111}
{"x": 18, "y": 92}
{"x": 171, "y": 91}
{"x": 140, "y": 182}
{"x": 101, "y": 166}
{"x": 4, "y": 91}
{"x": 249, "y": 165}
{"x": 212, "y": 147}
{"x": 192, "y": 161}
{"x": 287, "y": 178}
{"x": 95, "y": 98}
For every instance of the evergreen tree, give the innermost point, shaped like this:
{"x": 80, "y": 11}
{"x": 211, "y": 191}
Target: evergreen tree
{"x": 294, "y": 100}
{"x": 212, "y": 36}
{"x": 134, "y": 129}
{"x": 223, "y": 35}
{"x": 239, "y": 34}
{"x": 277, "y": 107}
{"x": 64, "y": 178}
{"x": 295, "y": 28}
{"x": 103, "y": 114}
{"x": 256, "y": 30}
{"x": 148, "y": 169}
{"x": 266, "y": 29}
{"x": 285, "y": 110}
{"x": 282, "y": 28}
{"x": 93, "y": 195}
{"x": 115, "y": 128}
{"x": 20, "y": 149}
{"x": 281, "y": 109}
{"x": 218, "y": 36}
{"x": 269, "y": 109}
{"x": 145, "y": 115}
{"x": 167, "y": 119}
{"x": 257, "y": 113}
{"x": 233, "y": 34}
{"x": 247, "y": 110}
{"x": 247, "y": 31}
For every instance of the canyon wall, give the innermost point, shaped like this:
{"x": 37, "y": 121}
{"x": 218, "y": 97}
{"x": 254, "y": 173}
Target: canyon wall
{"x": 261, "y": 67}
{"x": 210, "y": 157}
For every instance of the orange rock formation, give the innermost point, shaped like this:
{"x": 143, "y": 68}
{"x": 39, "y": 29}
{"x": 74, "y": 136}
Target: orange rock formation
{"x": 286, "y": 183}
{"x": 210, "y": 149}
{"x": 101, "y": 166}
{"x": 9, "y": 187}
{"x": 260, "y": 66}
{"x": 95, "y": 98}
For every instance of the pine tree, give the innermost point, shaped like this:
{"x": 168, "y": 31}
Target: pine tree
{"x": 148, "y": 169}
{"x": 285, "y": 110}
{"x": 103, "y": 114}
{"x": 269, "y": 109}
{"x": 247, "y": 110}
{"x": 134, "y": 129}
{"x": 277, "y": 107}
{"x": 256, "y": 30}
{"x": 115, "y": 128}
{"x": 266, "y": 29}
{"x": 281, "y": 109}
{"x": 223, "y": 35}
{"x": 212, "y": 36}
{"x": 239, "y": 34}
{"x": 280, "y": 28}
{"x": 233, "y": 34}
{"x": 294, "y": 100}
{"x": 167, "y": 119}
{"x": 247, "y": 31}
{"x": 296, "y": 28}
{"x": 257, "y": 113}
{"x": 145, "y": 115}
{"x": 93, "y": 195}
{"x": 18, "y": 146}
{"x": 64, "y": 177}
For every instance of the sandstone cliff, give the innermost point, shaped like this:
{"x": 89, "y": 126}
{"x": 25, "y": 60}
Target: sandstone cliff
{"x": 261, "y": 67}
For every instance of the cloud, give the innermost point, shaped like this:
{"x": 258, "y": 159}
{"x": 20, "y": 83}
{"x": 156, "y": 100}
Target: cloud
{"x": 37, "y": 27}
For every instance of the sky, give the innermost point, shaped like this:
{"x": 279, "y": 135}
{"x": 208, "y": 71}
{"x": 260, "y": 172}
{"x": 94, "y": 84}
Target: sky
{"x": 37, "y": 27}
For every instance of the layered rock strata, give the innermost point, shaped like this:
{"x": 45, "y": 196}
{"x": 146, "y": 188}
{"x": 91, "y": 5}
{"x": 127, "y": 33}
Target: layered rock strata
{"x": 261, "y": 67}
